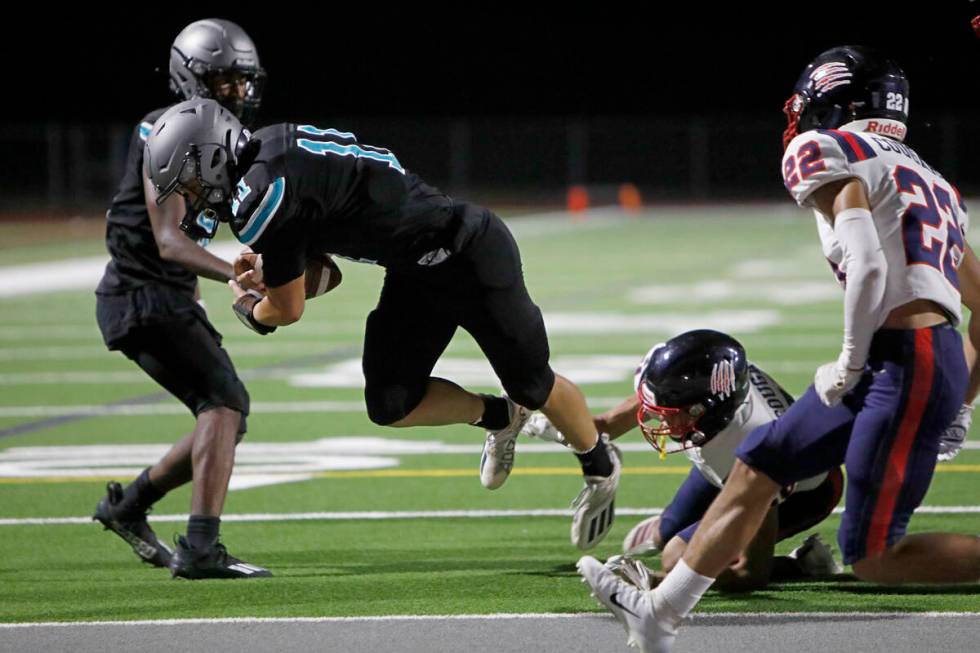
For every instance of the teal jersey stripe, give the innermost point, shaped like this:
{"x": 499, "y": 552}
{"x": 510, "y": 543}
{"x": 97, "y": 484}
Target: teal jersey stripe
{"x": 264, "y": 213}
{"x": 314, "y": 131}
{"x": 329, "y": 147}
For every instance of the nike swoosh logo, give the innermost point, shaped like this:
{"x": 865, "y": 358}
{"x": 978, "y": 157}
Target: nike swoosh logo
{"x": 621, "y": 606}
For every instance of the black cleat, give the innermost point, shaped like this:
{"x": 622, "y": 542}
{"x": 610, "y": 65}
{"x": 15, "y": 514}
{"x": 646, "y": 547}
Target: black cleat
{"x": 134, "y": 530}
{"x": 212, "y": 562}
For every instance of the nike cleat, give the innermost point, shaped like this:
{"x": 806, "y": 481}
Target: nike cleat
{"x": 641, "y": 614}
{"x": 132, "y": 528}
{"x": 211, "y": 562}
{"x": 498, "y": 450}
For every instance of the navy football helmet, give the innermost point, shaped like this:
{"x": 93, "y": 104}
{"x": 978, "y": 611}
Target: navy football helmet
{"x": 845, "y": 84}
{"x": 692, "y": 385}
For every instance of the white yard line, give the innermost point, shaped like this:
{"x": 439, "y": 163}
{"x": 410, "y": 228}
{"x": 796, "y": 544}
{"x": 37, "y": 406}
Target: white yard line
{"x": 170, "y": 408}
{"x": 373, "y": 515}
{"x": 738, "y": 616}
{"x": 173, "y": 408}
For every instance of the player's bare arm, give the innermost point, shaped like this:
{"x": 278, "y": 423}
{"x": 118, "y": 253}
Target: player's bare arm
{"x": 618, "y": 420}
{"x": 174, "y": 245}
{"x": 283, "y": 305}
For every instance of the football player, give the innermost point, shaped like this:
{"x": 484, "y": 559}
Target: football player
{"x": 147, "y": 308}
{"x": 294, "y": 191}
{"x": 706, "y": 397}
{"x": 893, "y": 229}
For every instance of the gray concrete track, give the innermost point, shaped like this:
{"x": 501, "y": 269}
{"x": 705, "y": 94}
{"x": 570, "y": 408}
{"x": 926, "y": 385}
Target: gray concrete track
{"x": 585, "y": 634}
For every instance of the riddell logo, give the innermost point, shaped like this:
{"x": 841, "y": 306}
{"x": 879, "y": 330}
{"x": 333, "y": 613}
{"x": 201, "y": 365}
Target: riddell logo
{"x": 887, "y": 128}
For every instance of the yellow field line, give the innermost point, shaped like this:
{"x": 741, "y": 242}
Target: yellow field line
{"x": 662, "y": 470}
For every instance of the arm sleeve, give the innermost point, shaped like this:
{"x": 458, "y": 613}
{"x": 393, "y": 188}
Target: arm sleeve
{"x": 864, "y": 293}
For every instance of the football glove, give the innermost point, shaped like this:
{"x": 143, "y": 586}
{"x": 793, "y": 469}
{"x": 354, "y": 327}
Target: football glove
{"x": 244, "y": 307}
{"x": 955, "y": 434}
{"x": 833, "y": 380}
{"x": 539, "y": 426}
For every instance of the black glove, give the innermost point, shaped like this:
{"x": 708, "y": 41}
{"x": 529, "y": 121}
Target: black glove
{"x": 244, "y": 306}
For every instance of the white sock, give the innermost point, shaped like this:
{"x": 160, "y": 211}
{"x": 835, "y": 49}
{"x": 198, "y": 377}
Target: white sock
{"x": 683, "y": 588}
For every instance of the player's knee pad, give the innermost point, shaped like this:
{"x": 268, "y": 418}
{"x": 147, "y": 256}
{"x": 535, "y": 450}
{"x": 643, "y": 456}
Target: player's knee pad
{"x": 386, "y": 404}
{"x": 531, "y": 390}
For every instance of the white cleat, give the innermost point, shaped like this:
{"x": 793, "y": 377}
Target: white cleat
{"x": 632, "y": 571}
{"x": 595, "y": 505}
{"x": 540, "y": 427}
{"x": 640, "y": 539}
{"x": 816, "y": 558}
{"x": 639, "y": 612}
{"x": 498, "y": 449}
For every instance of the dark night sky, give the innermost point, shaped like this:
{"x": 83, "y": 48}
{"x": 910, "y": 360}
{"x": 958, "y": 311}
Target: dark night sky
{"x": 95, "y": 70}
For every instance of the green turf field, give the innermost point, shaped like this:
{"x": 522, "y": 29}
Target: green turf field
{"x": 610, "y": 287}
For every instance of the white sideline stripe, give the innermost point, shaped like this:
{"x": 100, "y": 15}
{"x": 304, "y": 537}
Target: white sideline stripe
{"x": 173, "y": 408}
{"x": 481, "y": 617}
{"x": 96, "y": 410}
{"x": 413, "y": 514}
{"x": 83, "y": 273}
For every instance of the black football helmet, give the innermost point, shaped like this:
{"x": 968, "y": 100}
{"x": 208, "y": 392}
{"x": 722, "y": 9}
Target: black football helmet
{"x": 215, "y": 58}
{"x": 692, "y": 385}
{"x": 845, "y": 84}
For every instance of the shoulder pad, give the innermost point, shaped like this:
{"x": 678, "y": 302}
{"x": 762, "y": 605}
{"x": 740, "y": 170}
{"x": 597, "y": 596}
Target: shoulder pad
{"x": 820, "y": 156}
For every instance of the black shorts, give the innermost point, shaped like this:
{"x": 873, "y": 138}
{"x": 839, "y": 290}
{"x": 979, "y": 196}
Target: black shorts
{"x": 168, "y": 334}
{"x": 480, "y": 289}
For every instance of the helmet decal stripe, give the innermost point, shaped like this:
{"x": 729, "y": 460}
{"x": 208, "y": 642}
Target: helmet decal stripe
{"x": 830, "y": 76}
{"x": 263, "y": 215}
{"x": 145, "y": 129}
{"x": 723, "y": 379}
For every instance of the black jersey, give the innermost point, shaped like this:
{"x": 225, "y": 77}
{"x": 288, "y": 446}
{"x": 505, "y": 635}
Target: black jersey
{"x": 307, "y": 190}
{"x": 135, "y": 258}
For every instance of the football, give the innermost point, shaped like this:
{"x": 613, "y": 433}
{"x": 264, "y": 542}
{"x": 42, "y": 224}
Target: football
{"x": 322, "y": 275}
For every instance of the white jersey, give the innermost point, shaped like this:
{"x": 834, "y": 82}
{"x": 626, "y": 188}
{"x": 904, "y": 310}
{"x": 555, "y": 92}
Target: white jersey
{"x": 765, "y": 402}
{"x": 919, "y": 216}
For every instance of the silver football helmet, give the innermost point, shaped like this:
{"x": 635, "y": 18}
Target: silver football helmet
{"x": 192, "y": 150}
{"x": 215, "y": 58}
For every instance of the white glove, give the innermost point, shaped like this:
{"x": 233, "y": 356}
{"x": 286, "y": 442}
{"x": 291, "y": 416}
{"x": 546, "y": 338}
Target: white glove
{"x": 541, "y": 427}
{"x": 832, "y": 381}
{"x": 955, "y": 434}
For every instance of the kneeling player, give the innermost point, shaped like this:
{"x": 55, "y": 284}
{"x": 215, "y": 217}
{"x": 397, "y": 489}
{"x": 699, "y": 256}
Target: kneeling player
{"x": 894, "y": 228}
{"x": 706, "y": 398}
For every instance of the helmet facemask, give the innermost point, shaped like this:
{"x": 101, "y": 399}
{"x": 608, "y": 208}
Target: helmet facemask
{"x": 676, "y": 428}
{"x": 205, "y": 180}
{"x": 216, "y": 59}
